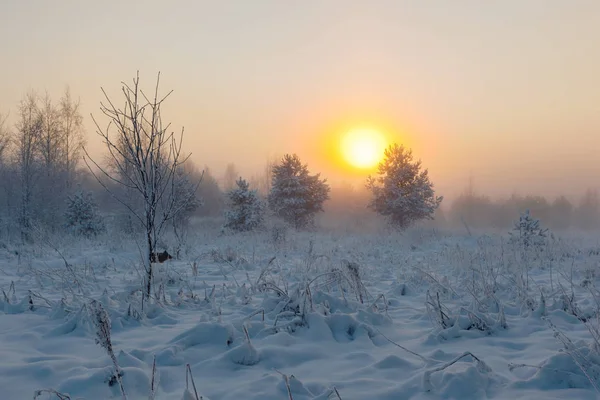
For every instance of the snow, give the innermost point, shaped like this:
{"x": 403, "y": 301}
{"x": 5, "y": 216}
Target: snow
{"x": 389, "y": 347}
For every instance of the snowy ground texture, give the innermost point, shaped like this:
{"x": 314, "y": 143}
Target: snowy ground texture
{"x": 328, "y": 316}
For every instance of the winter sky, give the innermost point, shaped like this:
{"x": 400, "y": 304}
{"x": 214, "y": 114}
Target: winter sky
{"x": 505, "y": 91}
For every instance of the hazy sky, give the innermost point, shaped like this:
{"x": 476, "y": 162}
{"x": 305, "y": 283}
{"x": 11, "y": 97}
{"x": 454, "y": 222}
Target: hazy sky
{"x": 506, "y": 91}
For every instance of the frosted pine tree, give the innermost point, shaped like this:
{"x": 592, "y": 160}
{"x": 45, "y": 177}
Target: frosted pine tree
{"x": 401, "y": 191}
{"x": 528, "y": 231}
{"x": 296, "y": 196}
{"x": 82, "y": 216}
{"x": 245, "y": 209}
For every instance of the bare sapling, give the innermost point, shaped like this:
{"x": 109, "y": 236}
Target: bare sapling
{"x": 145, "y": 163}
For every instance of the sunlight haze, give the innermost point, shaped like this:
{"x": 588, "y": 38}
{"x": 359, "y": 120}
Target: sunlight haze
{"x": 504, "y": 92}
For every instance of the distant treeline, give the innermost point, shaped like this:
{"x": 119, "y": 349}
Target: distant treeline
{"x": 560, "y": 213}
{"x": 481, "y": 211}
{"x": 41, "y": 166}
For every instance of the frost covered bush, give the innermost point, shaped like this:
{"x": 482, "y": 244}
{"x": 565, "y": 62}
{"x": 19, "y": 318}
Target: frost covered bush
{"x": 246, "y": 209}
{"x": 82, "y": 217}
{"x": 402, "y": 191}
{"x": 527, "y": 232}
{"x": 296, "y": 196}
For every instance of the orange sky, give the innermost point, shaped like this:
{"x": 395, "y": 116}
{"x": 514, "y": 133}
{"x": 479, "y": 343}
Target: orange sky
{"x": 506, "y": 92}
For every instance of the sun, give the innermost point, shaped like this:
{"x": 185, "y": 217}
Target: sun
{"x": 363, "y": 148}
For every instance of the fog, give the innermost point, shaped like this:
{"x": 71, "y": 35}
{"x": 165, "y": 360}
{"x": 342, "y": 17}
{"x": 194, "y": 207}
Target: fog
{"x": 499, "y": 101}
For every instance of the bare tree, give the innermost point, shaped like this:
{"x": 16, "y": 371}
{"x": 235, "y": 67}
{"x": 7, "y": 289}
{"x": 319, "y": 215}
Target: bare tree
{"x": 262, "y": 181}
{"x": 27, "y": 140}
{"x": 5, "y": 174}
{"x": 50, "y": 148}
{"x": 145, "y": 158}
{"x": 46, "y": 142}
{"x": 4, "y": 138}
{"x": 211, "y": 196}
{"x": 268, "y": 178}
{"x": 71, "y": 125}
{"x": 49, "y": 145}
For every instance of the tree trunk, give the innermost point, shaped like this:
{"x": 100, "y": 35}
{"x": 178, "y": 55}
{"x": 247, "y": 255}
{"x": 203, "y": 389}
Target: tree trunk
{"x": 149, "y": 269}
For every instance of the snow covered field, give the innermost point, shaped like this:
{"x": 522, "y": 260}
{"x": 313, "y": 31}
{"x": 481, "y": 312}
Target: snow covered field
{"x": 310, "y": 318}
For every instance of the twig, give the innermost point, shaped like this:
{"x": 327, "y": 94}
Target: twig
{"x": 436, "y": 281}
{"x": 402, "y": 347}
{"x": 246, "y": 334}
{"x": 337, "y": 393}
{"x": 427, "y": 375}
{"x": 153, "y": 381}
{"x": 287, "y": 384}
{"x": 512, "y": 366}
{"x": 188, "y": 372}
{"x": 261, "y": 311}
{"x": 61, "y": 396}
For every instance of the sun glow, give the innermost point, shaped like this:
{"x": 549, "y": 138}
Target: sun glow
{"x": 363, "y": 148}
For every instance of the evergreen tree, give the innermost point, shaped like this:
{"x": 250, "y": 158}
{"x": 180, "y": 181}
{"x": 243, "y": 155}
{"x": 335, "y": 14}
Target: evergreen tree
{"x": 246, "y": 209}
{"x": 296, "y": 196}
{"x": 402, "y": 191}
{"x": 527, "y": 231}
{"x": 82, "y": 217}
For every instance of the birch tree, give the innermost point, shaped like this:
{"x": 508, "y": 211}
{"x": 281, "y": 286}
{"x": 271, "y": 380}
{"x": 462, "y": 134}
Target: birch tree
{"x": 145, "y": 156}
{"x": 71, "y": 126}
{"x": 4, "y": 138}
{"x": 27, "y": 139}
{"x": 5, "y": 173}
{"x": 50, "y": 141}
{"x": 230, "y": 177}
